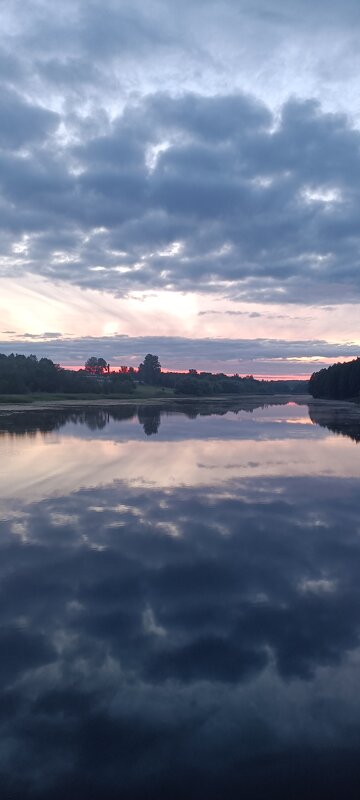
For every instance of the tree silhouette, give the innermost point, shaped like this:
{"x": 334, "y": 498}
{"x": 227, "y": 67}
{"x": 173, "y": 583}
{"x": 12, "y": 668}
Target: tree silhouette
{"x": 96, "y": 366}
{"x": 340, "y": 381}
{"x": 150, "y": 370}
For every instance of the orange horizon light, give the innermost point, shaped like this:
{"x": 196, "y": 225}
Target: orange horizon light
{"x": 257, "y": 376}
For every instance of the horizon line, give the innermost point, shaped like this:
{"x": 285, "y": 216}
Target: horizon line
{"x": 258, "y": 376}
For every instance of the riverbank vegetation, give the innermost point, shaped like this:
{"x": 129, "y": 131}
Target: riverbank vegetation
{"x": 338, "y": 382}
{"x": 29, "y": 377}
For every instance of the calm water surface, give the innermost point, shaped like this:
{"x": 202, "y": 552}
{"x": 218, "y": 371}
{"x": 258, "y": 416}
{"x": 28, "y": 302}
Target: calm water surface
{"x": 180, "y": 603}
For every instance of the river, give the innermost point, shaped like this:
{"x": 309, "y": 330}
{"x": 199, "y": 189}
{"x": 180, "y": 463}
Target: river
{"x": 180, "y": 602}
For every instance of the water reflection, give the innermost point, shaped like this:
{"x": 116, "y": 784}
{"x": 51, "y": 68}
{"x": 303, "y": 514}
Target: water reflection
{"x": 341, "y": 418}
{"x": 149, "y": 416}
{"x": 182, "y": 639}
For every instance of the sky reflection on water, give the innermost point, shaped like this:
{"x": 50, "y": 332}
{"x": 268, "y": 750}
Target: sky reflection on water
{"x": 180, "y": 612}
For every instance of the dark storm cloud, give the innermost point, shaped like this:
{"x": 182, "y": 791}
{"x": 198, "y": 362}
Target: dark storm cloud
{"x": 257, "y": 213}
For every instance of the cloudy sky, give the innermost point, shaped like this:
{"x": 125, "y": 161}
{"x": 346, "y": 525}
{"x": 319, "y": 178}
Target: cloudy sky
{"x": 181, "y": 178}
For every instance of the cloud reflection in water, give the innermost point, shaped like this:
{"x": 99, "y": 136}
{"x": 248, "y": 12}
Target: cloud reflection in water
{"x": 184, "y": 638}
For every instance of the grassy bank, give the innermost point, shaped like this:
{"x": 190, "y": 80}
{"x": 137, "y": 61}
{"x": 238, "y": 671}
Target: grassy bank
{"x": 142, "y": 392}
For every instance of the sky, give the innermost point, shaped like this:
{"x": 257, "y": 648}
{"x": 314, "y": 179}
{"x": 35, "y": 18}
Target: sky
{"x": 181, "y": 179}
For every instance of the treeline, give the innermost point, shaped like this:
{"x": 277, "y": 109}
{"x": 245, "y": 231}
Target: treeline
{"x": 21, "y": 374}
{"x": 207, "y": 384}
{"x": 338, "y": 382}
{"x": 26, "y": 375}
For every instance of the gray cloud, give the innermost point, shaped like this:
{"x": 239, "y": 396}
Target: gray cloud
{"x": 41, "y": 336}
{"x": 257, "y": 356}
{"x": 258, "y": 213}
{"x": 100, "y": 173}
{"x": 22, "y": 122}
{"x": 250, "y": 314}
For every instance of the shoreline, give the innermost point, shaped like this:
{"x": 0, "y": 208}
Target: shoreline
{"x": 37, "y": 404}
{"x": 58, "y": 405}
